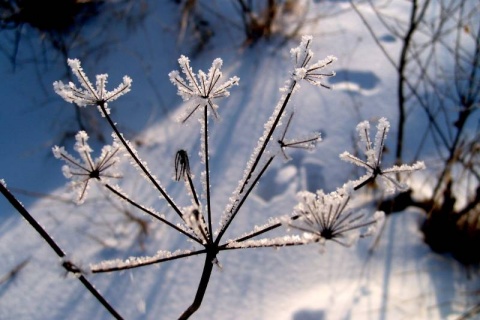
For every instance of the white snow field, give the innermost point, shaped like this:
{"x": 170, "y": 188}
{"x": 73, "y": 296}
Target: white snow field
{"x": 393, "y": 275}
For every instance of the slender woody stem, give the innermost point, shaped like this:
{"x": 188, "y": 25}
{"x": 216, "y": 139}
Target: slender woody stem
{"x": 60, "y": 253}
{"x": 207, "y": 172}
{"x": 202, "y": 286}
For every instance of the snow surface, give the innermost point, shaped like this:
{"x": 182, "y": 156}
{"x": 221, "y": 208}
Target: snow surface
{"x": 394, "y": 276}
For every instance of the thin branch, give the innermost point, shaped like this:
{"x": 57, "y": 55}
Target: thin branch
{"x": 207, "y": 173}
{"x": 202, "y": 286}
{"x": 258, "y": 232}
{"x": 150, "y": 213}
{"x": 125, "y": 266}
{"x": 257, "y": 157}
{"x": 139, "y": 163}
{"x": 44, "y": 234}
{"x": 242, "y": 201}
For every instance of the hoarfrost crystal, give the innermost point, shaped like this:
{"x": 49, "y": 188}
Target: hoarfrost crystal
{"x": 326, "y": 217}
{"x": 203, "y": 91}
{"x": 374, "y": 158}
{"x": 90, "y": 95}
{"x": 82, "y": 171}
{"x": 302, "y": 56}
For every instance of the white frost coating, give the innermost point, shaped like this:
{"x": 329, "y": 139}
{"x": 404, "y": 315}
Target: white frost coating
{"x": 379, "y": 217}
{"x": 373, "y": 160}
{"x": 203, "y": 129}
{"x": 82, "y": 171}
{"x": 88, "y": 95}
{"x": 133, "y": 262}
{"x": 288, "y": 240}
{"x": 303, "y": 70}
{"x": 383, "y": 127}
{"x": 271, "y": 222}
{"x": 363, "y": 130}
{"x": 195, "y": 220}
{"x": 203, "y": 91}
{"x": 326, "y": 217}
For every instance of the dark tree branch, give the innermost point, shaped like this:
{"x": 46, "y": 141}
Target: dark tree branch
{"x": 69, "y": 266}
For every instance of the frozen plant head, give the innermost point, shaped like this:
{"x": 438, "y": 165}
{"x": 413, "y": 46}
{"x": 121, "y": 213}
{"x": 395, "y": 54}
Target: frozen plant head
{"x": 326, "y": 217}
{"x": 373, "y": 153}
{"x": 87, "y": 94}
{"x": 182, "y": 165}
{"x": 202, "y": 91}
{"x": 82, "y": 171}
{"x": 302, "y": 56}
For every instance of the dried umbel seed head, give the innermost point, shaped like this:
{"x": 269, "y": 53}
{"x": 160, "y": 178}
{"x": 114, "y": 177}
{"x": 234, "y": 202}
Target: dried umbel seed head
{"x": 182, "y": 165}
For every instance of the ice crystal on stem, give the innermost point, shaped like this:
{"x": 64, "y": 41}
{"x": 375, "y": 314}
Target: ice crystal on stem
{"x": 133, "y": 262}
{"x": 88, "y": 95}
{"x": 204, "y": 90}
{"x": 284, "y": 241}
{"x": 374, "y": 158}
{"x": 326, "y": 217}
{"x": 82, "y": 171}
{"x": 195, "y": 220}
{"x": 302, "y": 56}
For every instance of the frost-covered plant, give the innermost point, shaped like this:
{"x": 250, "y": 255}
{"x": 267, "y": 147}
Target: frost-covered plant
{"x": 317, "y": 218}
{"x": 374, "y": 159}
{"x": 326, "y": 217}
{"x": 203, "y": 91}
{"x": 90, "y": 95}
{"x": 81, "y": 172}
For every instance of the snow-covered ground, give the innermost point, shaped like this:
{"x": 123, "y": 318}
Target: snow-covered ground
{"x": 393, "y": 276}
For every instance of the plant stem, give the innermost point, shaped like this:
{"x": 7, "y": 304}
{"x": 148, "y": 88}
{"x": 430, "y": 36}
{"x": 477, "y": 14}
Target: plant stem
{"x": 146, "y": 263}
{"x": 259, "y": 232}
{"x": 138, "y": 162}
{"x": 151, "y": 213}
{"x": 202, "y": 286}
{"x": 242, "y": 201}
{"x": 44, "y": 234}
{"x": 192, "y": 190}
{"x": 257, "y": 157}
{"x": 207, "y": 172}
{"x": 402, "y": 66}
{"x": 268, "y": 136}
